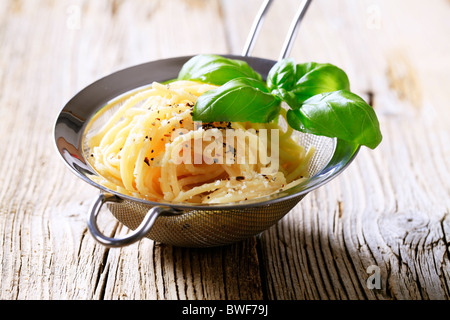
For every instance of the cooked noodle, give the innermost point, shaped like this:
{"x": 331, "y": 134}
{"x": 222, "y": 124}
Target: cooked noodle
{"x": 150, "y": 149}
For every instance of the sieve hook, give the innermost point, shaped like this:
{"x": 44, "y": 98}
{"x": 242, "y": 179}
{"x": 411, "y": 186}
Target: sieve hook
{"x": 136, "y": 235}
{"x": 289, "y": 40}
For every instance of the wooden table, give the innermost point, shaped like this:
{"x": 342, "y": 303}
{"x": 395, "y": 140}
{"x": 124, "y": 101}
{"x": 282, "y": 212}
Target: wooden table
{"x": 378, "y": 231}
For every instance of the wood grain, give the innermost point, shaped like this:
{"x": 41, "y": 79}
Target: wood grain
{"x": 387, "y": 213}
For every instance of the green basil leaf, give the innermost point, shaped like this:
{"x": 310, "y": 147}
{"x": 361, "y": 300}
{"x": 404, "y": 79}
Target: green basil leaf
{"x": 283, "y": 75}
{"x": 339, "y": 114}
{"x": 217, "y": 70}
{"x": 294, "y": 119}
{"x": 314, "y": 78}
{"x": 238, "y": 100}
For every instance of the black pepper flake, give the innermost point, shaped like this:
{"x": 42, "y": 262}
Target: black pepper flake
{"x": 232, "y": 150}
{"x": 240, "y": 178}
{"x": 146, "y": 161}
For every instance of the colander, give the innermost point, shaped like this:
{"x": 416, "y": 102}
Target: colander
{"x": 185, "y": 224}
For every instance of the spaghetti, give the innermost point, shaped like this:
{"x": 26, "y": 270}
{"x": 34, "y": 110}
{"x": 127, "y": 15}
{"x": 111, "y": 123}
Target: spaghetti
{"x": 152, "y": 149}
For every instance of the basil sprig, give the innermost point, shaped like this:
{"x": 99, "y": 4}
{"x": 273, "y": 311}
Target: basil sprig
{"x": 318, "y": 95}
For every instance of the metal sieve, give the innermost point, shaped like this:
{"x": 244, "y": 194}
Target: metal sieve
{"x": 185, "y": 224}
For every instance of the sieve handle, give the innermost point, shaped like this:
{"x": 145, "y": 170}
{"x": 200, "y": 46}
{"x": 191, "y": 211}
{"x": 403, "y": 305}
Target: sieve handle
{"x": 293, "y": 29}
{"x": 290, "y": 37}
{"x": 137, "y": 234}
{"x": 256, "y": 27}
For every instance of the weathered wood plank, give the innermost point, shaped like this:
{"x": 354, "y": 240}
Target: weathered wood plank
{"x": 389, "y": 211}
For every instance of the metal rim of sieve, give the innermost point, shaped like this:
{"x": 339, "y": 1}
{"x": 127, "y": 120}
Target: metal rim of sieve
{"x": 72, "y": 120}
